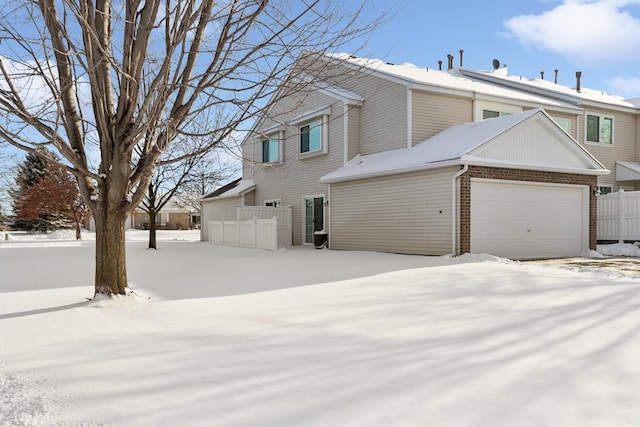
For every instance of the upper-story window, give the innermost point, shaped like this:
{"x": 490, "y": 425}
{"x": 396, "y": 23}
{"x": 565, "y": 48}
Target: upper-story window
{"x": 271, "y": 149}
{"x": 311, "y": 136}
{"x": 599, "y": 129}
{"x": 563, "y": 123}
{"x": 313, "y": 130}
{"x": 269, "y": 144}
{"x": 491, "y": 114}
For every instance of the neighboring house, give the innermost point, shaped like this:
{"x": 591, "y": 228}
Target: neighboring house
{"x": 172, "y": 216}
{"x": 399, "y": 158}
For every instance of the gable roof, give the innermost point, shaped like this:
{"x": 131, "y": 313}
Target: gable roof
{"x": 501, "y": 142}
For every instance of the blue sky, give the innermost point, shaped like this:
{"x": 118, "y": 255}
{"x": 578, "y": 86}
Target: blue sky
{"x": 601, "y": 38}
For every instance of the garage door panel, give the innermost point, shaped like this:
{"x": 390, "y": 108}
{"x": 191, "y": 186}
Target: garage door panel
{"x": 527, "y": 220}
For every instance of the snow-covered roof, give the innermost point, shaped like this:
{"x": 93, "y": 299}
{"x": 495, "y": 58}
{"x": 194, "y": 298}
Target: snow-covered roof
{"x": 458, "y": 145}
{"x": 235, "y": 188}
{"x": 550, "y": 88}
{"x": 453, "y": 79}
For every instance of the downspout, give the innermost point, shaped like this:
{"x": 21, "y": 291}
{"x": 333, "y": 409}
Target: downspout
{"x": 409, "y": 117}
{"x": 328, "y": 202}
{"x": 345, "y": 135}
{"x": 454, "y": 207}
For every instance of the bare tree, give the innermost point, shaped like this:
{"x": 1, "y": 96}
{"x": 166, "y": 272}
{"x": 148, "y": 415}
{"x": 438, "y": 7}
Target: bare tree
{"x": 173, "y": 180}
{"x": 97, "y": 81}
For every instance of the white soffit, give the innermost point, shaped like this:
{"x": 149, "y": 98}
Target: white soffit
{"x": 627, "y": 171}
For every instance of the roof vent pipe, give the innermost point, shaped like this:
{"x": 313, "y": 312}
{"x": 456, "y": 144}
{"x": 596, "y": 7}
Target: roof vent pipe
{"x": 461, "y": 52}
{"x": 578, "y": 77}
{"x": 440, "y": 65}
{"x": 542, "y": 75}
{"x": 555, "y": 80}
{"x": 450, "y": 62}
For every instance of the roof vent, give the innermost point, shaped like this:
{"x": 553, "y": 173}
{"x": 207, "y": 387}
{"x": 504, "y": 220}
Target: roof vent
{"x": 555, "y": 80}
{"x": 461, "y": 52}
{"x": 578, "y": 77}
{"x": 450, "y": 61}
{"x": 496, "y": 64}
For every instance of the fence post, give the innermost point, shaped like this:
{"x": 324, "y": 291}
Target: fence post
{"x": 255, "y": 232}
{"x": 620, "y": 215}
{"x": 274, "y": 234}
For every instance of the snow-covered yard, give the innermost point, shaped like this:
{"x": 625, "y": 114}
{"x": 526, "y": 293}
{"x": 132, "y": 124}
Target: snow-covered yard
{"x": 234, "y": 337}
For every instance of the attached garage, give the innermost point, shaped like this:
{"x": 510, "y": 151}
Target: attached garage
{"x": 517, "y": 186}
{"x": 529, "y": 219}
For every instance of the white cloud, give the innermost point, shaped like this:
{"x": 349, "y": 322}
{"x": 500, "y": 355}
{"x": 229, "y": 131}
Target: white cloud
{"x": 627, "y": 87}
{"x": 582, "y": 30}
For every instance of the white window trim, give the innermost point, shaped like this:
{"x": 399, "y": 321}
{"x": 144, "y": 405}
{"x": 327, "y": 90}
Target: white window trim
{"x": 324, "y": 137}
{"x": 279, "y": 131}
{"x": 601, "y": 116}
{"x": 564, "y": 120}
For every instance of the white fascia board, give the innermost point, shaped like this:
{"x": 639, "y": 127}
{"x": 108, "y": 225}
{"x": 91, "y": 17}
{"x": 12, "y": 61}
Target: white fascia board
{"x": 479, "y": 161}
{"x": 347, "y": 97}
{"x": 307, "y": 115}
{"x": 627, "y": 171}
{"x": 387, "y": 172}
{"x": 272, "y": 129}
{"x": 605, "y": 106}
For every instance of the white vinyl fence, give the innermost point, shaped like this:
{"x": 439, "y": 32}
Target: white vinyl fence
{"x": 259, "y": 227}
{"x": 619, "y": 216}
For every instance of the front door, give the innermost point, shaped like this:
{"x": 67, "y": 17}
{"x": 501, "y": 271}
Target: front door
{"x": 313, "y": 217}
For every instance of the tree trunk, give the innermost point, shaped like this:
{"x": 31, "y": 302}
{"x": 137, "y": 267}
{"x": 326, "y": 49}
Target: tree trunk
{"x": 111, "y": 270}
{"x": 152, "y": 229}
{"x": 78, "y": 231}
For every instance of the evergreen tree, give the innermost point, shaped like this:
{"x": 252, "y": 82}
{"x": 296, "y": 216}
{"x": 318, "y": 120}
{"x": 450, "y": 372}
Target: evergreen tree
{"x": 46, "y": 198}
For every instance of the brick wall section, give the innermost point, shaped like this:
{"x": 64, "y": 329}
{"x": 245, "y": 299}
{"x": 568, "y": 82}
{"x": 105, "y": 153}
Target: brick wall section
{"x": 520, "y": 175}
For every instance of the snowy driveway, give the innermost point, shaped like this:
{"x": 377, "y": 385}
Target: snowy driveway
{"x": 628, "y": 266}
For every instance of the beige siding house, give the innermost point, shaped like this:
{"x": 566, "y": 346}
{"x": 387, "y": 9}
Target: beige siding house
{"x": 304, "y": 152}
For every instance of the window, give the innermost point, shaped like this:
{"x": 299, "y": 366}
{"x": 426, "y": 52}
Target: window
{"x": 604, "y": 189}
{"x": 491, "y": 114}
{"x": 162, "y": 218}
{"x": 599, "y": 129}
{"x": 276, "y": 203}
{"x": 564, "y": 124}
{"x": 311, "y": 137}
{"x": 271, "y": 149}
{"x": 313, "y": 128}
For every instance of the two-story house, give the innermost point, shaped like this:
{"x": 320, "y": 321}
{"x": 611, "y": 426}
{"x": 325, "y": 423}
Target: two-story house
{"x": 405, "y": 159}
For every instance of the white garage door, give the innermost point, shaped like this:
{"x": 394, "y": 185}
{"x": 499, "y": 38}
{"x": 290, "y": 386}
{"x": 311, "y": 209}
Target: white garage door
{"x": 528, "y": 220}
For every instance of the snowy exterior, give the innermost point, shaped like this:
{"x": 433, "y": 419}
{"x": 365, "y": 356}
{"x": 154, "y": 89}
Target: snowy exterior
{"x": 380, "y": 112}
{"x": 237, "y": 337}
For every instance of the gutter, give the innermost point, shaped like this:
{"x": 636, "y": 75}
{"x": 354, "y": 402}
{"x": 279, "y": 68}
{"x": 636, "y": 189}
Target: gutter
{"x": 454, "y": 207}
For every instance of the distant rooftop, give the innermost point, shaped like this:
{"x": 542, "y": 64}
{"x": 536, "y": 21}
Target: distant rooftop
{"x": 491, "y": 82}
